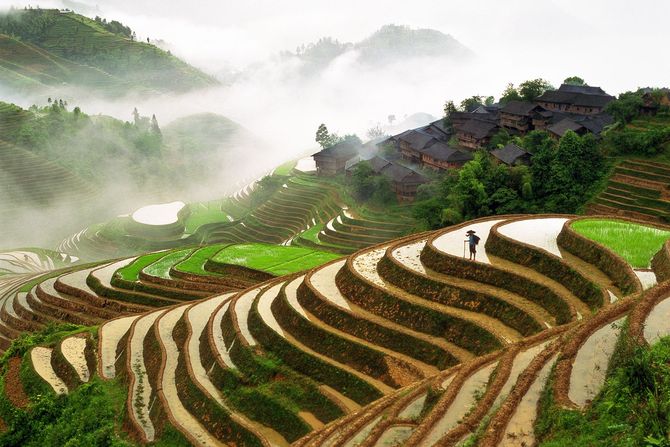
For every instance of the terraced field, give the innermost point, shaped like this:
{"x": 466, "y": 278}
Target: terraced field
{"x": 639, "y": 189}
{"x": 402, "y": 343}
{"x": 29, "y": 180}
{"x": 306, "y": 212}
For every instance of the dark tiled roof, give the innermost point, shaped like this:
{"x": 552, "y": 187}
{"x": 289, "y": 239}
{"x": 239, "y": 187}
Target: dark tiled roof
{"x": 417, "y": 139}
{"x": 435, "y": 131}
{"x": 585, "y": 89}
{"x": 563, "y": 126}
{"x": 578, "y": 99}
{"x": 478, "y": 128}
{"x": 519, "y": 108}
{"x": 378, "y": 163}
{"x": 402, "y": 174}
{"x": 444, "y": 152}
{"x": 509, "y": 154}
{"x": 440, "y": 125}
{"x": 344, "y": 149}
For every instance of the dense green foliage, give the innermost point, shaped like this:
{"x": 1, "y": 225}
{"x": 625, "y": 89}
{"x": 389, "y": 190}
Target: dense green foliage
{"x": 368, "y": 186}
{"x": 68, "y": 137}
{"x": 633, "y": 409}
{"x": 637, "y": 244}
{"x": 107, "y": 46}
{"x": 561, "y": 178}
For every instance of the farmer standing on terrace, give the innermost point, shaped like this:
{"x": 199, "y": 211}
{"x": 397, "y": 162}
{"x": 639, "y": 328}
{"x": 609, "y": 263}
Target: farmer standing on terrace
{"x": 472, "y": 241}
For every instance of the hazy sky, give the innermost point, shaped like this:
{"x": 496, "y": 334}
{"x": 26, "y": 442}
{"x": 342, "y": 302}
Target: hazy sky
{"x": 616, "y": 44}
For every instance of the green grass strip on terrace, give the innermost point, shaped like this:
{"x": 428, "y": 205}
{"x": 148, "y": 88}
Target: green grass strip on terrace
{"x": 286, "y": 168}
{"x": 161, "y": 267}
{"x": 636, "y": 243}
{"x": 131, "y": 272}
{"x": 196, "y": 262}
{"x": 205, "y": 213}
{"x": 274, "y": 259}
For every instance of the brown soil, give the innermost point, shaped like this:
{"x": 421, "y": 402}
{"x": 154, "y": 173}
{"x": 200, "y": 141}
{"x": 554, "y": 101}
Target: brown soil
{"x": 13, "y": 386}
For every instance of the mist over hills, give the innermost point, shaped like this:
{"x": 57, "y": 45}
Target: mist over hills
{"x": 388, "y": 45}
{"x": 49, "y": 47}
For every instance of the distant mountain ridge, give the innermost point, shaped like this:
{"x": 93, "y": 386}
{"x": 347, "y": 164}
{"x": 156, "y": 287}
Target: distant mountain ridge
{"x": 48, "y": 47}
{"x": 388, "y": 44}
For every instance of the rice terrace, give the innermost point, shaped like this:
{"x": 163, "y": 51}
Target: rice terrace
{"x": 190, "y": 256}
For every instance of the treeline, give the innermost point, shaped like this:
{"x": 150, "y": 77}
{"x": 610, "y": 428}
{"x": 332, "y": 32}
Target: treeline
{"x": 563, "y": 175}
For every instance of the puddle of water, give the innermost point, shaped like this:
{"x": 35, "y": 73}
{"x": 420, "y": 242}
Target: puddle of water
{"x": 464, "y": 400}
{"x": 519, "y": 431}
{"x": 453, "y": 241}
{"x": 590, "y": 365}
{"x": 541, "y": 233}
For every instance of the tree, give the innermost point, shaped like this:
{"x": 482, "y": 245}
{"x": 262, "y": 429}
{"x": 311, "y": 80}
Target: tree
{"x": 449, "y": 109}
{"x": 489, "y": 101}
{"x": 136, "y": 116}
{"x": 375, "y": 132}
{"x": 510, "y": 94}
{"x": 574, "y": 80}
{"x": 154, "y": 126}
{"x": 471, "y": 103}
{"x": 626, "y": 107}
{"x": 323, "y": 136}
{"x": 530, "y": 90}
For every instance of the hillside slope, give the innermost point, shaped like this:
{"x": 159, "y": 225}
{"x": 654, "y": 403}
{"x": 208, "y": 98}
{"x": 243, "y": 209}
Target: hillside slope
{"x": 51, "y": 47}
{"x": 403, "y": 343}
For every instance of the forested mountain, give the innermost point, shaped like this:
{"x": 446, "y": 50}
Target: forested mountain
{"x": 48, "y": 47}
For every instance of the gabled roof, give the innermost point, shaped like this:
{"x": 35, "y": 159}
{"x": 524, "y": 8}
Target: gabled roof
{"x": 417, "y": 139}
{"x": 440, "y": 125}
{"x": 478, "y": 128}
{"x": 563, "y": 126}
{"x": 378, "y": 163}
{"x": 510, "y": 153}
{"x": 584, "y": 89}
{"x": 578, "y": 99}
{"x": 444, "y": 152}
{"x": 402, "y": 174}
{"x": 344, "y": 150}
{"x": 436, "y": 131}
{"x": 523, "y": 108}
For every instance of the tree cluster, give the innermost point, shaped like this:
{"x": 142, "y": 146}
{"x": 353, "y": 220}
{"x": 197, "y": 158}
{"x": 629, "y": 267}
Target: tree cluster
{"x": 561, "y": 177}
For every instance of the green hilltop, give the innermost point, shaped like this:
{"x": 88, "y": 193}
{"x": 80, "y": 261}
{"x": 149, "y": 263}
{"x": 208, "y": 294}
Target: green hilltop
{"x": 48, "y": 47}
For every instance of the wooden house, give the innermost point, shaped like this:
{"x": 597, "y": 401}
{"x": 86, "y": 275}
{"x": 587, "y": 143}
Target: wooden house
{"x": 441, "y": 156}
{"x": 511, "y": 155}
{"x": 580, "y": 100}
{"x": 476, "y": 133}
{"x": 518, "y": 115}
{"x": 333, "y": 159}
